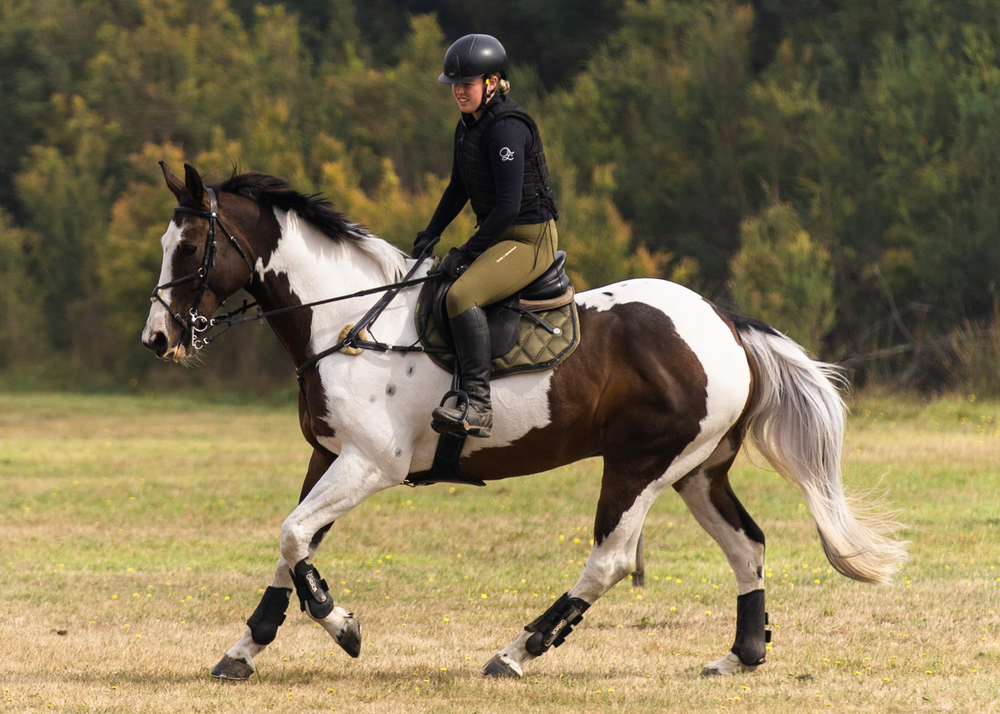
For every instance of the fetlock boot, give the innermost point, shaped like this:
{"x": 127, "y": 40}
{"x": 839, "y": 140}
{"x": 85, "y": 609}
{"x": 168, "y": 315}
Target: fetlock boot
{"x": 471, "y": 335}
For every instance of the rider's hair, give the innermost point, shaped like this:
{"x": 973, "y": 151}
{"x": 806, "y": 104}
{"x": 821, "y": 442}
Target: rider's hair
{"x": 503, "y": 86}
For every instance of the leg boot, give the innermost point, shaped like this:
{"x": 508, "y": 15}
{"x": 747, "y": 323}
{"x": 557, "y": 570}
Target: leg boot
{"x": 472, "y": 348}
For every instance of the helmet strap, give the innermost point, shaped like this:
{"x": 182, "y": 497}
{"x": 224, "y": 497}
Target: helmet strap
{"x": 488, "y": 96}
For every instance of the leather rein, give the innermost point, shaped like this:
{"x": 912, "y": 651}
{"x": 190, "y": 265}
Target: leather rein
{"x": 197, "y": 324}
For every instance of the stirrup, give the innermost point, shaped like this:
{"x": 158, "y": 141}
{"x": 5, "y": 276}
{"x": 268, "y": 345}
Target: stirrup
{"x": 462, "y": 403}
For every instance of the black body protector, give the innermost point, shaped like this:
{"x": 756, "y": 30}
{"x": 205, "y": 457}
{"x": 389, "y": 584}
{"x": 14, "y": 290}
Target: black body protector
{"x": 477, "y": 173}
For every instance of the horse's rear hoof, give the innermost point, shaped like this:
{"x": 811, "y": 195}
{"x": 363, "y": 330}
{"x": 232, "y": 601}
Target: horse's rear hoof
{"x": 233, "y": 669}
{"x": 499, "y": 668}
{"x": 727, "y": 667}
{"x": 349, "y": 637}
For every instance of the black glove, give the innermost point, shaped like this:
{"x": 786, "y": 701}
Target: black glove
{"x": 423, "y": 243}
{"x": 454, "y": 263}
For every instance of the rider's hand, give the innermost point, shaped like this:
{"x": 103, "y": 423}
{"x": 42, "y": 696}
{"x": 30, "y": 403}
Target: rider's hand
{"x": 454, "y": 263}
{"x": 423, "y": 243}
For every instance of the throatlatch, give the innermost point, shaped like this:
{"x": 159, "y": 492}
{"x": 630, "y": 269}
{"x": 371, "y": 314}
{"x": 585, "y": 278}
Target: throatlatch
{"x": 270, "y": 613}
{"x": 752, "y": 634}
{"x": 312, "y": 590}
{"x": 552, "y": 627}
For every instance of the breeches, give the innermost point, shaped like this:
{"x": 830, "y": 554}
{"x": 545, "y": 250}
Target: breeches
{"x": 521, "y": 254}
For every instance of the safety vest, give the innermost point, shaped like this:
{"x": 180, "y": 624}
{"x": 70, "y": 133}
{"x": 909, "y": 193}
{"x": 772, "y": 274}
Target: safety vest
{"x": 477, "y": 173}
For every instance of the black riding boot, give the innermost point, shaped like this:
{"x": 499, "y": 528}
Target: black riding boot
{"x": 471, "y": 335}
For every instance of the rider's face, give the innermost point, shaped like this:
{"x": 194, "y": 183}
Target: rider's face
{"x": 469, "y": 95}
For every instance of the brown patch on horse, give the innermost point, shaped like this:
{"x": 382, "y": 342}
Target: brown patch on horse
{"x": 319, "y": 463}
{"x": 313, "y": 409}
{"x": 639, "y": 408}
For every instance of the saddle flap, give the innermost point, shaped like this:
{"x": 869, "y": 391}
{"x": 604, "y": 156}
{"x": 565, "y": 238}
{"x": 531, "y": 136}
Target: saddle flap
{"x": 503, "y": 322}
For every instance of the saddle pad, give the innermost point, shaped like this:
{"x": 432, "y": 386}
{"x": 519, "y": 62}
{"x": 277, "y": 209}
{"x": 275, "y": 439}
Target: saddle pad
{"x": 536, "y": 348}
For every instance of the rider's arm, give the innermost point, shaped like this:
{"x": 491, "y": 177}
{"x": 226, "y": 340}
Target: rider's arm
{"x": 507, "y": 145}
{"x": 452, "y": 202}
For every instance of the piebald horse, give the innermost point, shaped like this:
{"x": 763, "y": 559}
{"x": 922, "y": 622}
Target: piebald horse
{"x": 665, "y": 386}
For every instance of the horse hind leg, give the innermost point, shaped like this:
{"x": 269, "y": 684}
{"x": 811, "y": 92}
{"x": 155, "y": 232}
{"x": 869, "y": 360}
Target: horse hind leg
{"x": 626, "y": 496}
{"x": 711, "y": 500}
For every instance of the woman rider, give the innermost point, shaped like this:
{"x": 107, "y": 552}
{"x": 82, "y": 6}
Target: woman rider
{"x": 499, "y": 167}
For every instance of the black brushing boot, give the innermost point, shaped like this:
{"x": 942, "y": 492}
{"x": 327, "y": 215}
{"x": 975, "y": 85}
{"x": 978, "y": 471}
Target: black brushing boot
{"x": 471, "y": 335}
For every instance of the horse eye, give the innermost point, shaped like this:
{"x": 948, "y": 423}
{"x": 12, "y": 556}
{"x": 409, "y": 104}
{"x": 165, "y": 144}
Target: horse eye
{"x": 188, "y": 250}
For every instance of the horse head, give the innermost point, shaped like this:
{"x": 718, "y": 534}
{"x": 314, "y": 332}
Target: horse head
{"x": 200, "y": 269}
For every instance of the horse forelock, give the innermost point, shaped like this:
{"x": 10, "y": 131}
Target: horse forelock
{"x": 274, "y": 192}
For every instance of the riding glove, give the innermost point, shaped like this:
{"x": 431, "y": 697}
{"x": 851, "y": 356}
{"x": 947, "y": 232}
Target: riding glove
{"x": 454, "y": 263}
{"x": 423, "y": 243}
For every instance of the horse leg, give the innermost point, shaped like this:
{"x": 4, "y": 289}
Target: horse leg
{"x": 262, "y": 626}
{"x": 626, "y": 496}
{"x": 708, "y": 495}
{"x": 349, "y": 481}
{"x": 639, "y": 574}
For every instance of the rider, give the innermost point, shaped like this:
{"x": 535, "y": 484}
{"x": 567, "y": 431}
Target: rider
{"x": 499, "y": 167}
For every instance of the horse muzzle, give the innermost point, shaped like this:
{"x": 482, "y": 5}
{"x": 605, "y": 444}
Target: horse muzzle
{"x": 160, "y": 344}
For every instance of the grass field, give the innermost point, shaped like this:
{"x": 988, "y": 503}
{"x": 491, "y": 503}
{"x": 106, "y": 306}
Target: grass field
{"x": 137, "y": 532}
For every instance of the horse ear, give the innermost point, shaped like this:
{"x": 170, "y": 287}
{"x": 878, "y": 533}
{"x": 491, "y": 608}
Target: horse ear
{"x": 192, "y": 179}
{"x": 175, "y": 185}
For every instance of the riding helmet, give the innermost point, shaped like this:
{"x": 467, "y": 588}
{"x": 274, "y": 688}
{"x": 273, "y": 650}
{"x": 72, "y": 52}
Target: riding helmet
{"x": 472, "y": 57}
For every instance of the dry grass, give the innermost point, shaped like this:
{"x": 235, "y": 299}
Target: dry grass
{"x": 135, "y": 534}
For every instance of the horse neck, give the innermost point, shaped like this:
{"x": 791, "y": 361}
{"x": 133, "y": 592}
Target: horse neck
{"x": 301, "y": 265}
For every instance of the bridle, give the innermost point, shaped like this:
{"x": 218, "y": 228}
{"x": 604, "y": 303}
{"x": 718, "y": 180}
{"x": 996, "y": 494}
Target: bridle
{"x": 196, "y": 323}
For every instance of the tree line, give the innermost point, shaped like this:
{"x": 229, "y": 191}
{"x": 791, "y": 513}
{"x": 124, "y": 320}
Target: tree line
{"x": 829, "y": 167}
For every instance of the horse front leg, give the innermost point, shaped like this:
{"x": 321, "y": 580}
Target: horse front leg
{"x": 349, "y": 481}
{"x": 708, "y": 495}
{"x": 342, "y": 484}
{"x": 262, "y": 626}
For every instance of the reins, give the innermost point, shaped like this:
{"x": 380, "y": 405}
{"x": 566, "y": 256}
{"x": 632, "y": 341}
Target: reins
{"x": 197, "y": 324}
{"x": 352, "y": 338}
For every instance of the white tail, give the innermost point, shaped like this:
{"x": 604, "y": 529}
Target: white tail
{"x": 796, "y": 420}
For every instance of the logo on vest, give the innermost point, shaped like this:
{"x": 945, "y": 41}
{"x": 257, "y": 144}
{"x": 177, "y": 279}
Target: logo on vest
{"x": 506, "y": 154}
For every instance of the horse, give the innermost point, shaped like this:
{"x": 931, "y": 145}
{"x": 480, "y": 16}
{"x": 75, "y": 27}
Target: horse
{"x": 664, "y": 385}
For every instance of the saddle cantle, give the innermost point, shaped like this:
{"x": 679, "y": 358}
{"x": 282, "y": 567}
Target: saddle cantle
{"x": 533, "y": 330}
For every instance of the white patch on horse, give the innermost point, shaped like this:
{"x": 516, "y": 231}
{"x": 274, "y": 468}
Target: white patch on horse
{"x": 159, "y": 318}
{"x": 520, "y": 404}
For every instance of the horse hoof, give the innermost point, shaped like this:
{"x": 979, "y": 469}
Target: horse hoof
{"x": 233, "y": 669}
{"x": 349, "y": 637}
{"x": 499, "y": 668}
{"x": 726, "y": 667}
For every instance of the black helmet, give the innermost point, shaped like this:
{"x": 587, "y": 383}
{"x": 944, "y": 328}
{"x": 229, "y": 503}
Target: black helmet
{"x": 472, "y": 57}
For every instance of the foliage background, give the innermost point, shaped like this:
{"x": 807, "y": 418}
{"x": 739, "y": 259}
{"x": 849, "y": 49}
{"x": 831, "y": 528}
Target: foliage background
{"x": 827, "y": 166}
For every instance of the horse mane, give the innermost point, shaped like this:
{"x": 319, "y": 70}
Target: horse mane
{"x": 318, "y": 211}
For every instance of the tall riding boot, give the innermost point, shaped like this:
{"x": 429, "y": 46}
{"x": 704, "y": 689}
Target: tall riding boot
{"x": 471, "y": 335}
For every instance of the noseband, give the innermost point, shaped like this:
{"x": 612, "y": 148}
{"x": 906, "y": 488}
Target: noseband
{"x": 196, "y": 323}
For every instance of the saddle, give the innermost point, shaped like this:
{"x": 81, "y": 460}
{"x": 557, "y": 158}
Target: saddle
{"x": 534, "y": 330}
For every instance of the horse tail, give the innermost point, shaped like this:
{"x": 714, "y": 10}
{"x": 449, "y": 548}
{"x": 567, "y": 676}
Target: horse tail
{"x": 796, "y": 419}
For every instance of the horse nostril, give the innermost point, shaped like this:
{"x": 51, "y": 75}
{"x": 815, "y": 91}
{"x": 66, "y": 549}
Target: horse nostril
{"x": 158, "y": 344}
